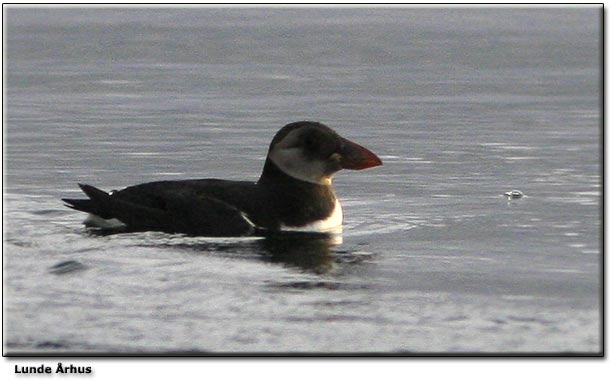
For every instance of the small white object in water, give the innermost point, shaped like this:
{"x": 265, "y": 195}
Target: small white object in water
{"x": 514, "y": 194}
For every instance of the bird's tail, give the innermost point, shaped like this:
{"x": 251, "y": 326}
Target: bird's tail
{"x": 94, "y": 205}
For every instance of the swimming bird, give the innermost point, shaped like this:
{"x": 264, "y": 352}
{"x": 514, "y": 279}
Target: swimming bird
{"x": 293, "y": 193}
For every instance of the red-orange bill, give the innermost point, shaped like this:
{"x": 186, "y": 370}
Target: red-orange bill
{"x": 356, "y": 157}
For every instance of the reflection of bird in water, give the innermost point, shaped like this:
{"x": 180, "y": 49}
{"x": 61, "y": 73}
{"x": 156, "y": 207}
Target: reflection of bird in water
{"x": 312, "y": 252}
{"x": 308, "y": 251}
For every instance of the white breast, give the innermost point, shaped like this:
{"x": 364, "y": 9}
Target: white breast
{"x": 332, "y": 223}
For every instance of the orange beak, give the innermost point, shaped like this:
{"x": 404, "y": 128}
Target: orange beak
{"x": 355, "y": 157}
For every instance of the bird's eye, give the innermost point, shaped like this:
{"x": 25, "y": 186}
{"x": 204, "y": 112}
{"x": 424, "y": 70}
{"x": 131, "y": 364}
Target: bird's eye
{"x": 309, "y": 142}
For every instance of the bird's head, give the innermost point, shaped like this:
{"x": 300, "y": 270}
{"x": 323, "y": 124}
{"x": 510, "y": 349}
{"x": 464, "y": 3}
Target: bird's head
{"x": 312, "y": 152}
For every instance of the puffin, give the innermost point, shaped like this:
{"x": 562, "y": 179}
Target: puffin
{"x": 293, "y": 194}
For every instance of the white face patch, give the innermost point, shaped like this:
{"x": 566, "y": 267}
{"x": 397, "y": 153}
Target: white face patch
{"x": 289, "y": 156}
{"x": 332, "y": 223}
{"x": 293, "y": 162}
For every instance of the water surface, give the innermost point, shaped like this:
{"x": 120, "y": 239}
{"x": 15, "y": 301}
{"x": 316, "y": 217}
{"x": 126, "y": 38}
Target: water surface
{"x": 462, "y": 105}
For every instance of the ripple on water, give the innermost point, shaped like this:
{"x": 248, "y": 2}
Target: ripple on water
{"x": 379, "y": 225}
{"x": 67, "y": 267}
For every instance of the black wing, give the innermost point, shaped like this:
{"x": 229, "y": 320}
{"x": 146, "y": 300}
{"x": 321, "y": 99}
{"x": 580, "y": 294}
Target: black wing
{"x": 189, "y": 207}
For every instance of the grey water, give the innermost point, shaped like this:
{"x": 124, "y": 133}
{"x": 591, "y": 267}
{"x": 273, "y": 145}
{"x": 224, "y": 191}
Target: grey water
{"x": 461, "y": 104}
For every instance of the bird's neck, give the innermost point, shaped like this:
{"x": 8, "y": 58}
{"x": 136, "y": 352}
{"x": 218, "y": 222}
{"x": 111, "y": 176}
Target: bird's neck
{"x": 272, "y": 174}
{"x": 300, "y": 203}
